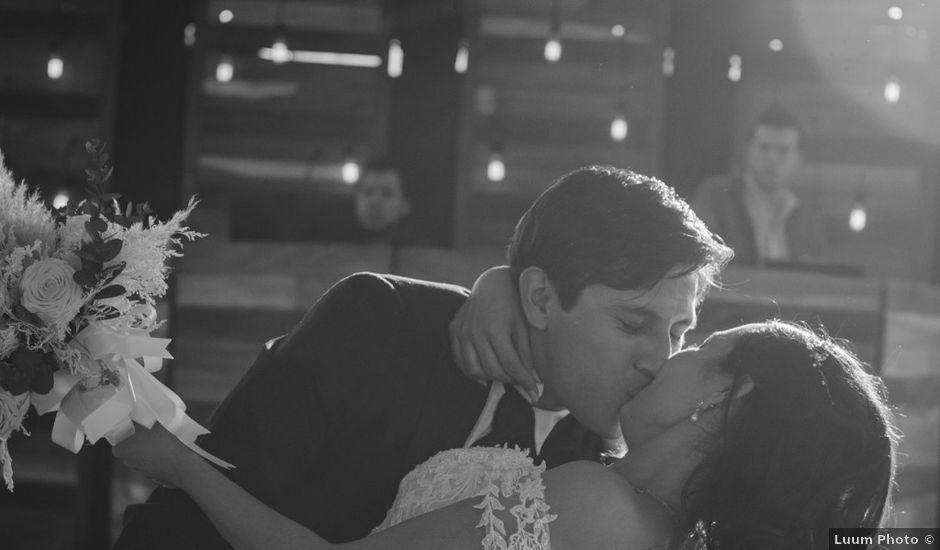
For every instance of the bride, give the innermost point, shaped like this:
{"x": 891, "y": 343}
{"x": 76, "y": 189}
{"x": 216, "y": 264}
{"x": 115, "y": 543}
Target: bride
{"x": 765, "y": 436}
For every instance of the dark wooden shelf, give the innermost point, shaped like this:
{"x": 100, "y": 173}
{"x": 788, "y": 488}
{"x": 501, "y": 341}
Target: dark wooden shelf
{"x": 64, "y": 23}
{"x": 50, "y": 105}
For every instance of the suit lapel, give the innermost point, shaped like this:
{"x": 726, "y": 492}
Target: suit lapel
{"x": 449, "y": 406}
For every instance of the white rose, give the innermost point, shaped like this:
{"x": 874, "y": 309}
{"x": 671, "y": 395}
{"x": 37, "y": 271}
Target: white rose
{"x": 50, "y": 292}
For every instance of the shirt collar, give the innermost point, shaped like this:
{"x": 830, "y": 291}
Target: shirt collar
{"x": 781, "y": 197}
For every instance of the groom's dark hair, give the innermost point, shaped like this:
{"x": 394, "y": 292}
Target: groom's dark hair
{"x": 616, "y": 228}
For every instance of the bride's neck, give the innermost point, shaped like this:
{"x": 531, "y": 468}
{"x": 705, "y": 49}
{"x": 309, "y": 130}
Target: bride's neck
{"x": 661, "y": 466}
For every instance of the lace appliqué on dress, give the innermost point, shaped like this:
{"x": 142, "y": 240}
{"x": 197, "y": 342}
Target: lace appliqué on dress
{"x": 532, "y": 517}
{"x": 497, "y": 475}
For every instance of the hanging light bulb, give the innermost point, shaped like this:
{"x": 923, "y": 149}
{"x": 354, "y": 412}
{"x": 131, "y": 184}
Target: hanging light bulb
{"x": 734, "y": 68}
{"x": 895, "y": 12}
{"x": 669, "y": 62}
{"x": 553, "y": 49}
{"x": 226, "y": 16}
{"x": 189, "y": 35}
{"x": 279, "y": 52}
{"x": 893, "y": 90}
{"x": 553, "y": 44}
{"x": 462, "y": 61}
{"x": 350, "y": 169}
{"x": 396, "y": 58}
{"x": 858, "y": 217}
{"x": 61, "y": 200}
{"x": 55, "y": 66}
{"x": 619, "y": 127}
{"x": 775, "y": 45}
{"x": 618, "y": 30}
{"x": 225, "y": 70}
{"x": 495, "y": 168}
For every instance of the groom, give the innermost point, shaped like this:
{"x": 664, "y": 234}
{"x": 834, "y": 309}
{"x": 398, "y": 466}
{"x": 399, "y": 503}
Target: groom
{"x": 609, "y": 265}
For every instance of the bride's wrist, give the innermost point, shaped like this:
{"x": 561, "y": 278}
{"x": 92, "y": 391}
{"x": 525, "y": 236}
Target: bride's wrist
{"x": 188, "y": 468}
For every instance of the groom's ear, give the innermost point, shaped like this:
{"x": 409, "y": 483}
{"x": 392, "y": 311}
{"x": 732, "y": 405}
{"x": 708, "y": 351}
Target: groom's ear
{"x": 536, "y": 293}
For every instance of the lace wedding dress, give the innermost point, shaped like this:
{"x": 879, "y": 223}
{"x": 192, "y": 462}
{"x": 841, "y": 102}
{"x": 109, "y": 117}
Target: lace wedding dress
{"x": 499, "y": 478}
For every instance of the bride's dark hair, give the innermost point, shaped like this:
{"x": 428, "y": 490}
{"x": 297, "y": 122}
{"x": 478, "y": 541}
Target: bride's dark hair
{"x": 811, "y": 446}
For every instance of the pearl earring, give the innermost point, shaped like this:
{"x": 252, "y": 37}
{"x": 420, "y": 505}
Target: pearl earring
{"x": 700, "y": 407}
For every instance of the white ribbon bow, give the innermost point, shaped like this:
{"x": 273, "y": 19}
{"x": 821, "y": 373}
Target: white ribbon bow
{"x": 110, "y": 411}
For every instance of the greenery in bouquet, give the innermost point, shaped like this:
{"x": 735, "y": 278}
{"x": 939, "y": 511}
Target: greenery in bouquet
{"x": 89, "y": 264}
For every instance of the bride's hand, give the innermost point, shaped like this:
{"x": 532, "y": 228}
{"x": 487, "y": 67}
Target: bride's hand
{"x": 489, "y": 334}
{"x": 156, "y": 453}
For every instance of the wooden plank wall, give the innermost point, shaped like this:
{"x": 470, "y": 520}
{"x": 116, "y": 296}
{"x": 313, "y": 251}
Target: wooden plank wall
{"x": 912, "y": 353}
{"x": 550, "y": 118}
{"x": 275, "y": 136}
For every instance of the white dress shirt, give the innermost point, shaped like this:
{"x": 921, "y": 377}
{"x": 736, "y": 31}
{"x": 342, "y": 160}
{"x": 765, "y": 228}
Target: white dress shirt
{"x": 769, "y": 213}
{"x": 545, "y": 420}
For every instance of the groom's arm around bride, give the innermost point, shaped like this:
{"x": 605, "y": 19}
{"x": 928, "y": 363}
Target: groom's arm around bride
{"x": 330, "y": 417}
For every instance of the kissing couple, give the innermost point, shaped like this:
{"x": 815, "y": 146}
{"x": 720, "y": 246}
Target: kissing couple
{"x": 358, "y": 428}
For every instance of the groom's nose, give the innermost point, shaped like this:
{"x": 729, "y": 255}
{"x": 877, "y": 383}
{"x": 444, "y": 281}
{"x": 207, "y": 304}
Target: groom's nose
{"x": 654, "y": 351}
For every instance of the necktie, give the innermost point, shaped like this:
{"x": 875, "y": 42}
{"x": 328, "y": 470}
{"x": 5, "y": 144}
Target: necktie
{"x": 569, "y": 441}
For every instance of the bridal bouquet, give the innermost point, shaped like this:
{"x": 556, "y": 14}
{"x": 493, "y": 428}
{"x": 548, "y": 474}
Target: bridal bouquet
{"x": 77, "y": 293}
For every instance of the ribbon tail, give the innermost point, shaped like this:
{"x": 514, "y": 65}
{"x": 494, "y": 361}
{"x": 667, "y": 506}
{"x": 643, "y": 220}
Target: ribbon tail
{"x": 207, "y": 455}
{"x": 66, "y": 433}
{"x": 156, "y": 402}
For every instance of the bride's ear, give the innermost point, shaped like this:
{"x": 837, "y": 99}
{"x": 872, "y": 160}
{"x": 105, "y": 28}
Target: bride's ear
{"x": 743, "y": 388}
{"x": 536, "y": 293}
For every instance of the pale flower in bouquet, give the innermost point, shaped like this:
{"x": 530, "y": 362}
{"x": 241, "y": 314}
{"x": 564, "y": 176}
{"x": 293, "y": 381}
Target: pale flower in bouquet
{"x": 77, "y": 294}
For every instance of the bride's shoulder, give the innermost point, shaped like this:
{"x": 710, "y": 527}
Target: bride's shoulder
{"x": 594, "y": 503}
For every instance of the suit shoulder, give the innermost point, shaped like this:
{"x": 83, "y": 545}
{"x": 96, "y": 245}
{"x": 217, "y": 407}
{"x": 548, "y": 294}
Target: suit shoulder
{"x": 381, "y": 283}
{"x": 370, "y": 305}
{"x": 361, "y": 282}
{"x": 715, "y": 185}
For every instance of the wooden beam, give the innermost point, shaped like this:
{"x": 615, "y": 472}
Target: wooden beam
{"x": 241, "y": 38}
{"x": 14, "y": 22}
{"x": 50, "y": 105}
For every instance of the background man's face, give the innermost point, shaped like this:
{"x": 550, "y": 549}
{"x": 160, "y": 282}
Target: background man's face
{"x": 773, "y": 156}
{"x": 379, "y": 201}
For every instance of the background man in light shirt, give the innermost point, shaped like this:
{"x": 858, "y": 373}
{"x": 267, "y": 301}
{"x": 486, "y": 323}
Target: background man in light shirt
{"x": 755, "y": 210}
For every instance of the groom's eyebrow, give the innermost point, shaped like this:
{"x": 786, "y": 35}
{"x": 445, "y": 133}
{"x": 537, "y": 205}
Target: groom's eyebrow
{"x": 635, "y": 310}
{"x": 650, "y": 313}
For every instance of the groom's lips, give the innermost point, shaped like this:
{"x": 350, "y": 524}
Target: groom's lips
{"x": 635, "y": 391}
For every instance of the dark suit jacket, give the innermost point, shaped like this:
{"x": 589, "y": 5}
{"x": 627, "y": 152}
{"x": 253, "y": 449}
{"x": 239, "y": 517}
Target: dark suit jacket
{"x": 719, "y": 202}
{"x": 330, "y": 418}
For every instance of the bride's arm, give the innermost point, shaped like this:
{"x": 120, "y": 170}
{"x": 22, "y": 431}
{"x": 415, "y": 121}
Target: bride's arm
{"x": 490, "y": 336}
{"x": 244, "y": 521}
{"x": 591, "y": 509}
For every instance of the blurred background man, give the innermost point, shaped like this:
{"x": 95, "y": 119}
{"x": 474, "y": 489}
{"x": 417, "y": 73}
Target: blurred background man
{"x": 379, "y": 203}
{"x": 755, "y": 210}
